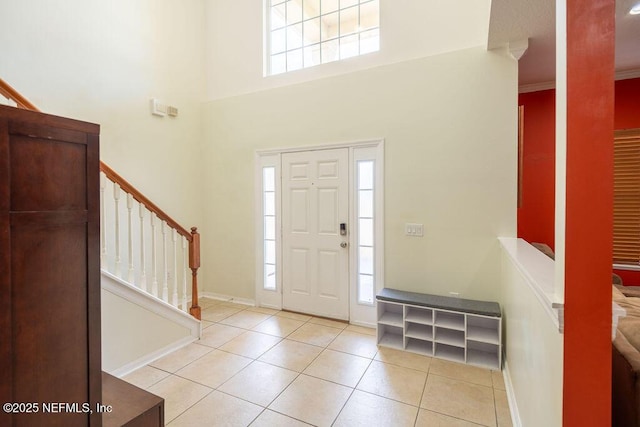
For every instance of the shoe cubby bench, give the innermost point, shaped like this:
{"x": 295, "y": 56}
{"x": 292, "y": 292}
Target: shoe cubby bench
{"x": 455, "y": 329}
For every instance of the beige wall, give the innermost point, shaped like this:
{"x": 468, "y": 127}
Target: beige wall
{"x": 448, "y": 120}
{"x": 409, "y": 29}
{"x": 101, "y": 61}
{"x": 132, "y": 333}
{"x": 449, "y": 124}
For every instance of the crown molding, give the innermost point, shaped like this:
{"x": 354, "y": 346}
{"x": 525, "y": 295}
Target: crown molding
{"x": 627, "y": 74}
{"x": 535, "y": 87}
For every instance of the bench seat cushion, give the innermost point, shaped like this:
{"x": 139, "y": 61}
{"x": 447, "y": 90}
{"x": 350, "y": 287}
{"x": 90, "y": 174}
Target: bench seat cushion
{"x": 484, "y": 308}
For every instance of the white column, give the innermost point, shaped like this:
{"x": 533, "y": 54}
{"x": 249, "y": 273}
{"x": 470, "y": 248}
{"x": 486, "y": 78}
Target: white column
{"x": 154, "y": 253}
{"x": 130, "y": 278}
{"x": 174, "y": 296}
{"x": 184, "y": 273}
{"x": 143, "y": 270}
{"x": 165, "y": 271}
{"x": 561, "y": 147}
{"x": 116, "y": 198}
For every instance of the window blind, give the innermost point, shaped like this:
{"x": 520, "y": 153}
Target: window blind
{"x": 626, "y": 197}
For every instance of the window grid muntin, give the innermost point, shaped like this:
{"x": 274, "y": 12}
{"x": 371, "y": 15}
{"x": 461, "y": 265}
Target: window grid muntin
{"x": 366, "y": 252}
{"x": 269, "y": 258}
{"x": 337, "y": 38}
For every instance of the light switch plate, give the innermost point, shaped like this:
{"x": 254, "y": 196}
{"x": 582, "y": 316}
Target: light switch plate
{"x": 414, "y": 230}
{"x": 157, "y": 108}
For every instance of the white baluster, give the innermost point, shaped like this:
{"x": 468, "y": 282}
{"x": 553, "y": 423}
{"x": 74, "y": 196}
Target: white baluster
{"x": 184, "y": 274}
{"x": 165, "y": 283}
{"x": 103, "y": 217}
{"x": 116, "y": 198}
{"x": 174, "y": 297}
{"x": 131, "y": 279}
{"x": 154, "y": 284}
{"x": 143, "y": 270}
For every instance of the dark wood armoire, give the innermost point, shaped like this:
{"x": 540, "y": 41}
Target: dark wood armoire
{"x": 49, "y": 269}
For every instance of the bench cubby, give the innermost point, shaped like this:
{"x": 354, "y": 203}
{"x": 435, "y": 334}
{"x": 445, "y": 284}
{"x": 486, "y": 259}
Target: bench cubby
{"x": 455, "y": 329}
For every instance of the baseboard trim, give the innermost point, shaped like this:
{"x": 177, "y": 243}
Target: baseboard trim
{"x": 151, "y": 357}
{"x": 511, "y": 396}
{"x": 229, "y": 298}
{"x": 364, "y": 324}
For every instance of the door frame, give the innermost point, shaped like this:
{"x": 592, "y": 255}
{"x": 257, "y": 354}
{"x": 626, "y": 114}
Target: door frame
{"x": 315, "y": 262}
{"x": 359, "y": 313}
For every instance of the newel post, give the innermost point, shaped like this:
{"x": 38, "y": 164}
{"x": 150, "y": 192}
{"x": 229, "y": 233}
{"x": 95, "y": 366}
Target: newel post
{"x": 194, "y": 264}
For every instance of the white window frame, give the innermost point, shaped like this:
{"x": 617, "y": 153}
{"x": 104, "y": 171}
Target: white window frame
{"x": 363, "y": 314}
{"x": 267, "y": 71}
{"x": 271, "y": 298}
{"x": 362, "y": 297}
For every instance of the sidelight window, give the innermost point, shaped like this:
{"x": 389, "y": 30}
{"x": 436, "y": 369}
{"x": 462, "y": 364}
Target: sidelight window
{"x": 269, "y": 221}
{"x": 366, "y": 220}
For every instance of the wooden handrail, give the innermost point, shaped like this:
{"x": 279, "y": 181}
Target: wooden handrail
{"x": 193, "y": 237}
{"x": 8, "y": 92}
{"x": 128, "y": 188}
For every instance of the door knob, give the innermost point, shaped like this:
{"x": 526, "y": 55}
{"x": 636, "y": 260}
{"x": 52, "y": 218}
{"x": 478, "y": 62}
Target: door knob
{"x": 343, "y": 244}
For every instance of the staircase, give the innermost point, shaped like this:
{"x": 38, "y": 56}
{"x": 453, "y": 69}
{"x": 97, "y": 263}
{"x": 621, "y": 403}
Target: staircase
{"x": 143, "y": 246}
{"x": 149, "y": 263}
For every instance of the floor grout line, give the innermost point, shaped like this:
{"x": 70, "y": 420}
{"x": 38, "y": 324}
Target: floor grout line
{"x": 298, "y": 374}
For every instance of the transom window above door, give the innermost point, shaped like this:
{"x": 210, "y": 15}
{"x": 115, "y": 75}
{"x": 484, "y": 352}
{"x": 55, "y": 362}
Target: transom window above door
{"x": 305, "y": 33}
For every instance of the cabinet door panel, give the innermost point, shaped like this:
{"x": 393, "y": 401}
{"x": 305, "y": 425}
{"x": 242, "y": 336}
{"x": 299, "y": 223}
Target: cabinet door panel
{"x": 39, "y": 185}
{"x": 49, "y": 267}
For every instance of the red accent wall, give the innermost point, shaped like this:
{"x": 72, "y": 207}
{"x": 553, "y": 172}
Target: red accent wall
{"x": 627, "y": 104}
{"x": 536, "y": 216}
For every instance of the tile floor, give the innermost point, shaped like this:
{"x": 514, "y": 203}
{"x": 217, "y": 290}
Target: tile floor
{"x": 263, "y": 367}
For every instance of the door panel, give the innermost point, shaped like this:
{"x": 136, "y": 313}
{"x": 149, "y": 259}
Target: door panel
{"x": 328, "y": 268}
{"x": 299, "y": 209}
{"x": 299, "y": 171}
{"x": 300, "y": 274}
{"x": 328, "y": 211}
{"x": 315, "y": 201}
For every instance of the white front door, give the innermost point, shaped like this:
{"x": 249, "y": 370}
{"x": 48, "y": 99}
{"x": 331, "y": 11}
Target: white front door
{"x": 315, "y": 200}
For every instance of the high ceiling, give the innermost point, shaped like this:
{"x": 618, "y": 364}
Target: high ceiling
{"x": 514, "y": 20}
